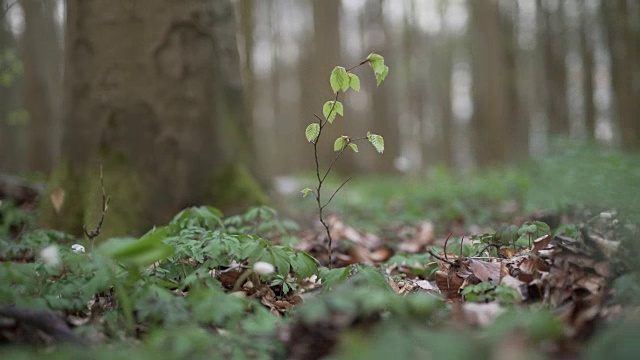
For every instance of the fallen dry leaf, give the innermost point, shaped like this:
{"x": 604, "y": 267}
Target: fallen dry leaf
{"x": 485, "y": 271}
{"x": 57, "y": 199}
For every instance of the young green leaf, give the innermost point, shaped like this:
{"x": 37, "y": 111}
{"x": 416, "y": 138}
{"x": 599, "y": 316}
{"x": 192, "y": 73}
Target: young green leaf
{"x": 354, "y": 81}
{"x": 312, "y": 132}
{"x": 340, "y": 143}
{"x": 383, "y": 74}
{"x": 144, "y": 251}
{"x": 337, "y": 109}
{"x": 306, "y": 192}
{"x": 354, "y": 147}
{"x": 379, "y": 68}
{"x": 376, "y": 62}
{"x": 339, "y": 79}
{"x": 377, "y": 141}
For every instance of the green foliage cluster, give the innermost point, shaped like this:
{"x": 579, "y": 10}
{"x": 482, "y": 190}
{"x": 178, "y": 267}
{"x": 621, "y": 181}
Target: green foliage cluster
{"x": 12, "y": 218}
{"x": 581, "y": 175}
{"x": 486, "y": 292}
{"x": 144, "y": 278}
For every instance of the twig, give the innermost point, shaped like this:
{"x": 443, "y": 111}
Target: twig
{"x": 105, "y": 205}
{"x": 497, "y": 246}
{"x": 335, "y": 192}
{"x": 8, "y": 7}
{"x": 445, "y": 246}
{"x": 439, "y": 258}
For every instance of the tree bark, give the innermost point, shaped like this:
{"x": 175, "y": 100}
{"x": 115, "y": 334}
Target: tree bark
{"x": 153, "y": 93}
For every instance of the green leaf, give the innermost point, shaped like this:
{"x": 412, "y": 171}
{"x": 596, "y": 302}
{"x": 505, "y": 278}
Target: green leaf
{"x": 354, "y": 147}
{"x": 306, "y": 192}
{"x": 376, "y": 62}
{"x": 312, "y": 132}
{"x": 354, "y": 81}
{"x": 329, "y": 110}
{"x": 333, "y": 277}
{"x": 340, "y": 143}
{"x": 377, "y": 141}
{"x": 145, "y": 251}
{"x": 379, "y": 68}
{"x": 304, "y": 265}
{"x": 381, "y": 75}
{"x": 339, "y": 79}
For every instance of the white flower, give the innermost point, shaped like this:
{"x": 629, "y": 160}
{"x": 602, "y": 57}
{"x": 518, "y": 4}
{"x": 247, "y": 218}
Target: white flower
{"x": 77, "y": 248}
{"x": 263, "y": 268}
{"x": 50, "y": 255}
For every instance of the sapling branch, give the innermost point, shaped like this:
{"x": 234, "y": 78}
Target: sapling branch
{"x": 335, "y": 192}
{"x": 341, "y": 79}
{"x": 105, "y": 205}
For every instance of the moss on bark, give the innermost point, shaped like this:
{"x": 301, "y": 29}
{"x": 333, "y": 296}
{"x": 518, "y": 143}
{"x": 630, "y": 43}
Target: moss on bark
{"x": 235, "y": 187}
{"x": 83, "y": 200}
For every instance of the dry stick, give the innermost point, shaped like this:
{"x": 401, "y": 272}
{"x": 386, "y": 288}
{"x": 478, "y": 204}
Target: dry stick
{"x": 439, "y": 258}
{"x": 445, "y": 259}
{"x": 93, "y": 234}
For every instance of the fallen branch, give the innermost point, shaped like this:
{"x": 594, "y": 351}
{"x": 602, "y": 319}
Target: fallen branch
{"x": 50, "y": 323}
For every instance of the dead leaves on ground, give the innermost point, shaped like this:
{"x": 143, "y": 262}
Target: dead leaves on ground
{"x": 573, "y": 274}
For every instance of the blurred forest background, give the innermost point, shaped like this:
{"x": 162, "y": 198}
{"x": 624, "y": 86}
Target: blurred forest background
{"x": 472, "y": 83}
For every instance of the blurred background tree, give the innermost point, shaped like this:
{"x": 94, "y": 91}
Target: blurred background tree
{"x": 152, "y": 89}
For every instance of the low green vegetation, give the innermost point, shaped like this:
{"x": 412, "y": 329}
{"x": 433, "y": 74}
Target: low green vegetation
{"x": 572, "y": 177}
{"x": 209, "y": 286}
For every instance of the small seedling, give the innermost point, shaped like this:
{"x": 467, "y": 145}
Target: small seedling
{"x": 340, "y": 79}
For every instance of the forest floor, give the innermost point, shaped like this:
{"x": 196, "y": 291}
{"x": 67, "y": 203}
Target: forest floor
{"x": 538, "y": 261}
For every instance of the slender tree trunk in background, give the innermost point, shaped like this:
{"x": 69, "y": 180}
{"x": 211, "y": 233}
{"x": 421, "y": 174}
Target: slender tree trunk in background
{"x": 444, "y": 55}
{"x": 587, "y": 55}
{"x": 383, "y": 122}
{"x": 554, "y": 43}
{"x": 246, "y": 25}
{"x": 12, "y": 135}
{"x": 153, "y": 93}
{"x": 623, "y": 54}
{"x": 42, "y": 56}
{"x": 280, "y": 158}
{"x": 326, "y": 39}
{"x": 517, "y": 116}
{"x": 490, "y": 86}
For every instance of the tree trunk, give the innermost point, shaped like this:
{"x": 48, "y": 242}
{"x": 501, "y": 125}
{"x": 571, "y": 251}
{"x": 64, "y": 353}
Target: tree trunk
{"x": 554, "y": 43}
{"x": 587, "y": 54}
{"x": 153, "y": 94}
{"x": 490, "y": 98}
{"x": 42, "y": 54}
{"x": 326, "y": 55}
{"x": 381, "y": 108}
{"x": 12, "y": 132}
{"x": 623, "y": 51}
{"x": 517, "y": 115}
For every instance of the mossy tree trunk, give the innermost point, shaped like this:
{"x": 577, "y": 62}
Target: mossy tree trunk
{"x": 152, "y": 91}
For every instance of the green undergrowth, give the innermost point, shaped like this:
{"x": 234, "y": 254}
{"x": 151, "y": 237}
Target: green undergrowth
{"x": 571, "y": 177}
{"x": 155, "y": 297}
